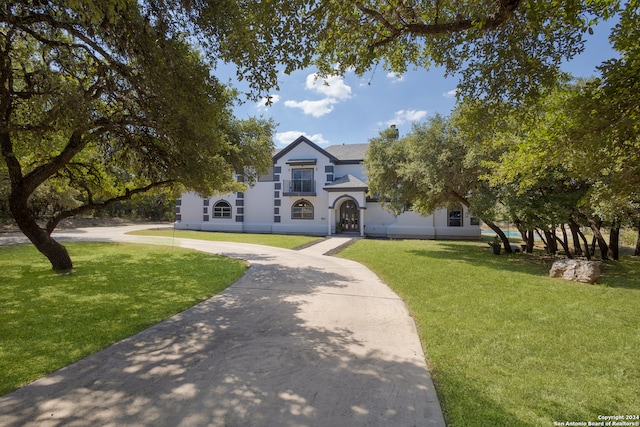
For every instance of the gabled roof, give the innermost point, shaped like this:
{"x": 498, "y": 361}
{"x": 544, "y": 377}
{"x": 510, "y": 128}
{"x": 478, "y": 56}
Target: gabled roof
{"x": 345, "y": 153}
{"x": 347, "y": 182}
{"x": 301, "y": 140}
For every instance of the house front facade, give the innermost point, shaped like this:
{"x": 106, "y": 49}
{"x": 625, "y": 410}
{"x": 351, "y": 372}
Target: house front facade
{"x": 317, "y": 191}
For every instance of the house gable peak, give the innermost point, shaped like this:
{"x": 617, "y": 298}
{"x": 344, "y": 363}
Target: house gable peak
{"x": 303, "y": 140}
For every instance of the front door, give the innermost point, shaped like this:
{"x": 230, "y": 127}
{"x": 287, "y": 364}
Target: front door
{"x": 349, "y": 217}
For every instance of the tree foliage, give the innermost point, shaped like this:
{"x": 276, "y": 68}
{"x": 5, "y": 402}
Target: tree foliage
{"x": 569, "y": 159}
{"x": 100, "y": 101}
{"x": 551, "y": 150}
{"x": 502, "y": 49}
{"x": 432, "y": 167}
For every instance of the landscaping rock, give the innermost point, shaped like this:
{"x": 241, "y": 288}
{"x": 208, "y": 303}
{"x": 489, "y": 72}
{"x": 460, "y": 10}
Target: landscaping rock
{"x": 576, "y": 270}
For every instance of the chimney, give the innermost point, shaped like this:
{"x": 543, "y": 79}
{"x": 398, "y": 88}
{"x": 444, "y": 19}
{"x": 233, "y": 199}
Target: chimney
{"x": 396, "y": 132}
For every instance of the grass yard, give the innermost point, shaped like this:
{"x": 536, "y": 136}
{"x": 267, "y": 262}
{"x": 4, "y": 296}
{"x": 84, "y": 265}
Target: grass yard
{"x": 508, "y": 345}
{"x": 277, "y": 240}
{"x": 48, "y": 321}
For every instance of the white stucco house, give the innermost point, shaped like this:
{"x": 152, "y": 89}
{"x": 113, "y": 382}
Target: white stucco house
{"x": 317, "y": 191}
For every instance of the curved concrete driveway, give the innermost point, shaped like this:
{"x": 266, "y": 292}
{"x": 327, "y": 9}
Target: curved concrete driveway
{"x": 300, "y": 340}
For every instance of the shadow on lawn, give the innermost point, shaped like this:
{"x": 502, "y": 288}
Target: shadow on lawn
{"x": 250, "y": 356}
{"x": 478, "y": 253}
{"x": 616, "y": 274}
{"x": 622, "y": 274}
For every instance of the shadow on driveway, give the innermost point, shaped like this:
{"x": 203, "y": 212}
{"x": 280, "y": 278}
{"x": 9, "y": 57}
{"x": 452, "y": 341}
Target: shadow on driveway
{"x": 304, "y": 341}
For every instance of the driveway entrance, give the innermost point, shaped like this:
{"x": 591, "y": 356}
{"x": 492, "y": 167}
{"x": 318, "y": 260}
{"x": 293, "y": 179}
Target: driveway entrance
{"x": 301, "y": 339}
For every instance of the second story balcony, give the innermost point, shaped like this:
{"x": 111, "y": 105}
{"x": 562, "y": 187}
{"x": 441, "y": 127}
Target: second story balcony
{"x": 302, "y": 187}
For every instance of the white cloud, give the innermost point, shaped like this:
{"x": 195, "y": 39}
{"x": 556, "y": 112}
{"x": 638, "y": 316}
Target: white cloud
{"x": 450, "y": 94}
{"x": 404, "y": 116}
{"x": 334, "y": 90}
{"x": 395, "y": 77}
{"x": 263, "y": 103}
{"x": 286, "y": 138}
{"x": 331, "y": 87}
{"x": 314, "y": 108}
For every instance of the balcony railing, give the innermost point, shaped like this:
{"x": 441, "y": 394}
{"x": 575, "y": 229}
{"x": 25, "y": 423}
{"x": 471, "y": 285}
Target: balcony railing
{"x": 298, "y": 188}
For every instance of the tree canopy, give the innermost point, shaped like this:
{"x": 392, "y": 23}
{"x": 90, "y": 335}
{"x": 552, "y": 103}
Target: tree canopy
{"x": 502, "y": 49}
{"x": 431, "y": 167}
{"x": 103, "y": 99}
{"x": 100, "y": 101}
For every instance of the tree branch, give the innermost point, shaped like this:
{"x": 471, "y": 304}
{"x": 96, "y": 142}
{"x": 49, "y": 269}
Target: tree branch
{"x": 505, "y": 11}
{"x": 56, "y": 218}
{"x": 40, "y": 174}
{"x": 88, "y": 45}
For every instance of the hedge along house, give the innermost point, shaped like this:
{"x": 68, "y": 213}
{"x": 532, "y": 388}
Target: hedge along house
{"x": 316, "y": 191}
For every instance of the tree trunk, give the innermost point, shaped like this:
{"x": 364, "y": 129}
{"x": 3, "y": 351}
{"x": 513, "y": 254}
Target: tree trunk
{"x": 602, "y": 243}
{"x": 50, "y": 248}
{"x": 505, "y": 241}
{"x": 575, "y": 234}
{"x": 587, "y": 252}
{"x": 637, "y": 251}
{"x": 565, "y": 247}
{"x": 521, "y": 230}
{"x": 614, "y": 241}
{"x": 526, "y": 235}
{"x": 544, "y": 241}
{"x": 552, "y": 246}
{"x": 530, "y": 241}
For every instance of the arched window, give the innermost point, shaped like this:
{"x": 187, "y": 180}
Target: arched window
{"x": 222, "y": 209}
{"x": 454, "y": 216}
{"x": 302, "y": 209}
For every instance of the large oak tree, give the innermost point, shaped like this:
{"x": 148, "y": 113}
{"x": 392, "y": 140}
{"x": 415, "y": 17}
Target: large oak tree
{"x": 431, "y": 167}
{"x": 108, "y": 100}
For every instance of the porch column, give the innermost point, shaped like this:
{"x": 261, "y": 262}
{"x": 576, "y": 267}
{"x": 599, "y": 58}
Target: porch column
{"x": 329, "y": 220}
{"x": 361, "y": 222}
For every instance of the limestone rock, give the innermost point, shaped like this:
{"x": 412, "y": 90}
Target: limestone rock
{"x": 576, "y": 270}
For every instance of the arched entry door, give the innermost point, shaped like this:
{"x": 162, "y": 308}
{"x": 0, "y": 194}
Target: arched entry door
{"x": 349, "y": 217}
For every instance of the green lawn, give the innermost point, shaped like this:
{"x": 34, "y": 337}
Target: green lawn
{"x": 506, "y": 344}
{"x": 48, "y": 321}
{"x": 277, "y": 240}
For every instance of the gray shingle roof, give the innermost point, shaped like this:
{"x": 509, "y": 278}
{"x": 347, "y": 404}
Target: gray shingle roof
{"x": 347, "y": 182}
{"x": 348, "y": 151}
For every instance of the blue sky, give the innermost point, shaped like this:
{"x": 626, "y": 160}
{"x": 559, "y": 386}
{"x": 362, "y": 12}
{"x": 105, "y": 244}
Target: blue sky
{"x": 352, "y": 109}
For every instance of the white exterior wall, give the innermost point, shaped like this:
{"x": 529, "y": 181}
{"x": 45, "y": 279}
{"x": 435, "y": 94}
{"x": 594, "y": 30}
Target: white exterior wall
{"x": 377, "y": 220}
{"x": 467, "y": 231}
{"x": 412, "y": 224}
{"x": 190, "y": 212}
{"x": 355, "y": 170}
{"x": 258, "y": 208}
{"x": 382, "y": 223}
{"x": 222, "y": 224}
{"x": 287, "y": 225}
{"x": 265, "y": 209}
